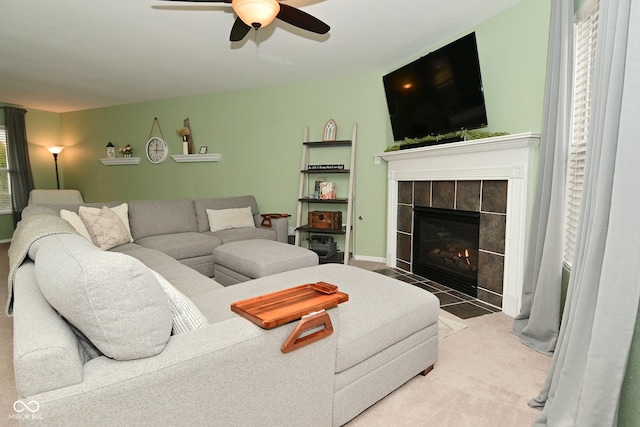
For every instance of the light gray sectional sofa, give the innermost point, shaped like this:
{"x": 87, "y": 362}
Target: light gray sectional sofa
{"x": 180, "y": 228}
{"x": 100, "y": 336}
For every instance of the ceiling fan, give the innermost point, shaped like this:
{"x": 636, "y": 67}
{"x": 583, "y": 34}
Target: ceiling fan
{"x": 260, "y": 13}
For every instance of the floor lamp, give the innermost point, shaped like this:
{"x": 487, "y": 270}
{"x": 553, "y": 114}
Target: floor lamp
{"x": 55, "y": 150}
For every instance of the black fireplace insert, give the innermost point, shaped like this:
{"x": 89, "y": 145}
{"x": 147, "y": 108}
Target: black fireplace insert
{"x": 445, "y": 247}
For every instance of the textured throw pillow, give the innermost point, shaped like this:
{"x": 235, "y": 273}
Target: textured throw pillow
{"x": 76, "y": 222}
{"x": 106, "y": 229}
{"x": 112, "y": 298}
{"x": 186, "y": 316}
{"x": 224, "y": 219}
{"x": 122, "y": 210}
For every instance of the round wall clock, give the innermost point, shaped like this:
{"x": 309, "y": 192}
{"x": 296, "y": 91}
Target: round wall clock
{"x": 157, "y": 150}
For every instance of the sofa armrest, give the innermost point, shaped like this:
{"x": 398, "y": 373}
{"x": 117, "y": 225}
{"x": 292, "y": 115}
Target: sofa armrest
{"x": 228, "y": 373}
{"x": 279, "y": 225}
{"x": 46, "y": 352}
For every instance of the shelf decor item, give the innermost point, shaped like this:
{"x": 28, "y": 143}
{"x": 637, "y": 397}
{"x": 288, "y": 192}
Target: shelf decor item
{"x": 187, "y": 136}
{"x": 330, "y": 131}
{"x": 331, "y": 220}
{"x": 111, "y": 150}
{"x": 184, "y": 132}
{"x": 126, "y": 151}
{"x": 327, "y": 190}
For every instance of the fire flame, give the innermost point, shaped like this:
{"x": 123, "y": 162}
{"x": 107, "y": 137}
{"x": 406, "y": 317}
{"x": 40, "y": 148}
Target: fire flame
{"x": 465, "y": 256}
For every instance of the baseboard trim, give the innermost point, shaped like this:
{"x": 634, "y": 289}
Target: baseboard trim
{"x": 5, "y": 241}
{"x": 369, "y": 258}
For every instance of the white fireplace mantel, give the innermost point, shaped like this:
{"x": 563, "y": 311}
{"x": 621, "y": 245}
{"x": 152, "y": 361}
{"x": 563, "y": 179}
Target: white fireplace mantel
{"x": 510, "y": 157}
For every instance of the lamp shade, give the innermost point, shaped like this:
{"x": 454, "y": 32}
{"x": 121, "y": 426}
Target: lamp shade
{"x": 56, "y": 149}
{"x": 256, "y": 13}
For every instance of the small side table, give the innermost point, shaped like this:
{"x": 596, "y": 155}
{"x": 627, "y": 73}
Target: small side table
{"x": 266, "y": 218}
{"x": 306, "y": 302}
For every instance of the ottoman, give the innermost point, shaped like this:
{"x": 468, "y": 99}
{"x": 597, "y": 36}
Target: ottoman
{"x": 244, "y": 260}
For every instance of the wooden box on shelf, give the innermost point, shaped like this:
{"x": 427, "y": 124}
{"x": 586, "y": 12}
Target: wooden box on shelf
{"x": 331, "y": 220}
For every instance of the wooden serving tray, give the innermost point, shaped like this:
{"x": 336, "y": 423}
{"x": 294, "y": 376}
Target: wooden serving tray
{"x": 277, "y": 308}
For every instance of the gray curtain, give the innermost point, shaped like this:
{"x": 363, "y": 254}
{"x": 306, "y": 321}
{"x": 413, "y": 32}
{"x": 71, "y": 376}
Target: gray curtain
{"x": 18, "y": 158}
{"x": 538, "y": 322}
{"x": 588, "y": 366}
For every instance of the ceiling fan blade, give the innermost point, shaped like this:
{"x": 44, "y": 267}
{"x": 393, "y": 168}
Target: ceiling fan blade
{"x": 239, "y": 30}
{"x": 301, "y": 19}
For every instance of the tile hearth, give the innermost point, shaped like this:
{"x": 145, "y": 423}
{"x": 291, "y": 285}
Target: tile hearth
{"x": 452, "y": 301}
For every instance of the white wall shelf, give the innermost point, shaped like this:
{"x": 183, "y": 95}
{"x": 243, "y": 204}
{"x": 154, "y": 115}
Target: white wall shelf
{"x": 191, "y": 158}
{"x": 116, "y": 161}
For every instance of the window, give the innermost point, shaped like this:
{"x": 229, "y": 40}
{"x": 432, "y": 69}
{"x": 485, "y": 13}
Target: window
{"x": 585, "y": 40}
{"x": 5, "y": 188}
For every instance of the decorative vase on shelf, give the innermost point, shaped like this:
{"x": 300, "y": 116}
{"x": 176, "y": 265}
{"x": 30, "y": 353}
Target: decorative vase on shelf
{"x": 185, "y": 144}
{"x": 111, "y": 151}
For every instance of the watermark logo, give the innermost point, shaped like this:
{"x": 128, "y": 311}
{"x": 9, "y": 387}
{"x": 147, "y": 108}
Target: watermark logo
{"x": 26, "y": 410}
{"x": 31, "y": 406}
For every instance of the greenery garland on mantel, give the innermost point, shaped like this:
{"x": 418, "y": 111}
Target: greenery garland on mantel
{"x": 465, "y": 134}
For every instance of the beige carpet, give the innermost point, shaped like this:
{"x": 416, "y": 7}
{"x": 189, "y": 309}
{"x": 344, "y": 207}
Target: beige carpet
{"x": 483, "y": 377}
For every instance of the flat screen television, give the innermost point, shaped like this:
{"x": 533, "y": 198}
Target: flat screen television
{"x": 437, "y": 93}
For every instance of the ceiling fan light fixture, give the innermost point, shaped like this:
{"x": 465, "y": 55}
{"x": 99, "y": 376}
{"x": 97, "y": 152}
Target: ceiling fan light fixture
{"x": 256, "y": 13}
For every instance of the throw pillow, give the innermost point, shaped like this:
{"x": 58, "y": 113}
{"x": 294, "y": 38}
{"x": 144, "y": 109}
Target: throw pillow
{"x": 106, "y": 229}
{"x": 112, "y": 298}
{"x": 224, "y": 219}
{"x": 122, "y": 210}
{"x": 186, "y": 316}
{"x": 76, "y": 222}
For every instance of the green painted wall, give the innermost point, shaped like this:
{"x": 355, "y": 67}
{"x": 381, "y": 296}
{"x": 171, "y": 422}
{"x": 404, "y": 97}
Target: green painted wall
{"x": 629, "y": 413}
{"x": 259, "y": 135}
{"x": 259, "y": 132}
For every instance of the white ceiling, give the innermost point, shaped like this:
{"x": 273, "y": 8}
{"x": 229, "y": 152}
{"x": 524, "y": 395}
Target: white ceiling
{"x": 67, "y": 55}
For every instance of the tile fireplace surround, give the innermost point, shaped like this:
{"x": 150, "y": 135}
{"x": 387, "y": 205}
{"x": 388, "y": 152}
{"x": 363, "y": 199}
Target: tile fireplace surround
{"x": 457, "y": 166}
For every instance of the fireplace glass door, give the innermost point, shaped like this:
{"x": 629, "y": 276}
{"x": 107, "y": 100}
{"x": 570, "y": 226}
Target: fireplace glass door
{"x": 445, "y": 247}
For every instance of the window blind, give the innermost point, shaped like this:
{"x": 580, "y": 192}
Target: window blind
{"x": 5, "y": 188}
{"x": 586, "y": 29}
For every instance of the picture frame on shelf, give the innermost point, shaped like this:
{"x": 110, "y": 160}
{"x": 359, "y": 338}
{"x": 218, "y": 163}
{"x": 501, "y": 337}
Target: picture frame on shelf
{"x": 330, "y": 131}
{"x": 203, "y": 149}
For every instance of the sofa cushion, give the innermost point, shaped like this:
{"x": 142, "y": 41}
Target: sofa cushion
{"x": 76, "y": 222}
{"x": 105, "y": 228}
{"x": 157, "y": 217}
{"x": 381, "y": 310}
{"x": 186, "y": 316}
{"x": 185, "y": 279}
{"x": 201, "y": 206}
{"x": 122, "y": 210}
{"x": 112, "y": 298}
{"x": 236, "y": 234}
{"x": 224, "y": 219}
{"x": 182, "y": 245}
{"x": 258, "y": 257}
